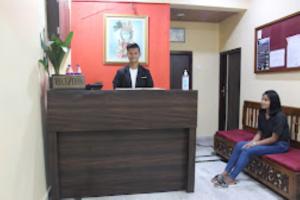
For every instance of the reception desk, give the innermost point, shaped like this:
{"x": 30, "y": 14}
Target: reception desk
{"x": 120, "y": 142}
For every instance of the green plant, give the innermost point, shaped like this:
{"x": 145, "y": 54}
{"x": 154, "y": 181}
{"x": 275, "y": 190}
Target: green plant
{"x": 45, "y": 63}
{"x": 55, "y": 50}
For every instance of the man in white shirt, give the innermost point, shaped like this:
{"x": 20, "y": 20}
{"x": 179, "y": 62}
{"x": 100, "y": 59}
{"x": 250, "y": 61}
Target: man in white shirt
{"x": 133, "y": 75}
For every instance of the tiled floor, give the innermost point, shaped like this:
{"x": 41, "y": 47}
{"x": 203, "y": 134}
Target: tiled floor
{"x": 207, "y": 165}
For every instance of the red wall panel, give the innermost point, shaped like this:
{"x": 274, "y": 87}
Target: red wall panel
{"x": 88, "y": 42}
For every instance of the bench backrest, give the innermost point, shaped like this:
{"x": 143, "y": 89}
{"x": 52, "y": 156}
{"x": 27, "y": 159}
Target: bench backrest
{"x": 250, "y": 120}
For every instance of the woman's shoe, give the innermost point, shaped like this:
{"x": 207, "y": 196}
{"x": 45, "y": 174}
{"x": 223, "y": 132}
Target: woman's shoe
{"x": 215, "y": 179}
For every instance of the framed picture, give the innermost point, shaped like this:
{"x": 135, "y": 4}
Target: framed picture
{"x": 119, "y": 30}
{"x": 177, "y": 35}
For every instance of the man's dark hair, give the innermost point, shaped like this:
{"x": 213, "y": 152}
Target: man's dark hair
{"x": 275, "y": 104}
{"x": 133, "y": 46}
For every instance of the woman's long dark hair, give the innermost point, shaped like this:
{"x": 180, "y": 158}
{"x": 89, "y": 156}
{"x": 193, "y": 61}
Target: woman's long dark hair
{"x": 275, "y": 104}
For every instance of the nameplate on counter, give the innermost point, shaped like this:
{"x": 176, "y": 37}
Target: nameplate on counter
{"x": 67, "y": 82}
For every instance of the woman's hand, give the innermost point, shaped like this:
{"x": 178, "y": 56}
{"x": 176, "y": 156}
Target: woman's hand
{"x": 254, "y": 141}
{"x": 270, "y": 140}
{"x": 249, "y": 145}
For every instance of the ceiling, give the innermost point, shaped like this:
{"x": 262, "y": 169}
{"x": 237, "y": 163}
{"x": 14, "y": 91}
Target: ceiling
{"x": 179, "y": 14}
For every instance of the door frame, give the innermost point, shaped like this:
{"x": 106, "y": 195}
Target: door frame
{"x": 223, "y": 106}
{"x": 52, "y": 8}
{"x": 190, "y": 54}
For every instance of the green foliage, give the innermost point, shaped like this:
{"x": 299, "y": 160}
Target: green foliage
{"x": 45, "y": 63}
{"x": 55, "y": 51}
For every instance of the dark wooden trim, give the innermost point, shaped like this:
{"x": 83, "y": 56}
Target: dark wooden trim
{"x": 222, "y": 100}
{"x": 52, "y": 17}
{"x": 191, "y": 160}
{"x": 53, "y": 179}
{"x": 236, "y": 50}
{"x": 278, "y": 70}
{"x": 222, "y": 91}
{"x": 190, "y": 53}
{"x": 278, "y": 20}
{"x": 181, "y": 52}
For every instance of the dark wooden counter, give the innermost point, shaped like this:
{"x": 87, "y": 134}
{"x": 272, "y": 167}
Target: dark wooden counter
{"x": 120, "y": 142}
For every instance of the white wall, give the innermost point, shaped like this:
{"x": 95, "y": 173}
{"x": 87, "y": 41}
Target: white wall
{"x": 238, "y": 31}
{"x": 225, "y": 5}
{"x": 22, "y": 173}
{"x": 203, "y": 40}
{"x": 229, "y": 5}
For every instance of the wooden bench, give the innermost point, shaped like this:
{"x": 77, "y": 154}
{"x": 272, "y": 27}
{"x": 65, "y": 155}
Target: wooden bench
{"x": 279, "y": 172}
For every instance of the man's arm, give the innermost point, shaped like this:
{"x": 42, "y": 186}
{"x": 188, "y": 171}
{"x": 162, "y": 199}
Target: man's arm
{"x": 117, "y": 80}
{"x": 149, "y": 79}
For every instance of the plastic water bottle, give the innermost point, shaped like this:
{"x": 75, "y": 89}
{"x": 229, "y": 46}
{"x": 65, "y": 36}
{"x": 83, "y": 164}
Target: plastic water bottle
{"x": 185, "y": 80}
{"x": 78, "y": 70}
{"x": 69, "y": 70}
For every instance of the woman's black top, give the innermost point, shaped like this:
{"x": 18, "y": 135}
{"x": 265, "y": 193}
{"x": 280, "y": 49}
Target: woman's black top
{"x": 277, "y": 124}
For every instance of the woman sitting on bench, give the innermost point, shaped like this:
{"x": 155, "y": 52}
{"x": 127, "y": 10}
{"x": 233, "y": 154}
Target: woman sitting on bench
{"x": 272, "y": 137}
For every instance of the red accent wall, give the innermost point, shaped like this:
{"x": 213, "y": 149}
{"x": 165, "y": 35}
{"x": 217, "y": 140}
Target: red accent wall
{"x": 88, "y": 48}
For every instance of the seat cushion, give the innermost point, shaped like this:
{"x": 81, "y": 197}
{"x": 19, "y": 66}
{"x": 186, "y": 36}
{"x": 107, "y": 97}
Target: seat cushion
{"x": 290, "y": 160}
{"x": 236, "y": 135}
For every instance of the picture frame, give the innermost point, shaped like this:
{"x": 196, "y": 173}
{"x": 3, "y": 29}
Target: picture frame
{"x": 177, "y": 35}
{"x": 120, "y": 30}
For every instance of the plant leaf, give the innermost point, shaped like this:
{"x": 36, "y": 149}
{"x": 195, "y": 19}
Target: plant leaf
{"x": 56, "y": 51}
{"x": 65, "y": 49}
{"x": 43, "y": 44}
{"x": 68, "y": 39}
{"x": 44, "y": 62}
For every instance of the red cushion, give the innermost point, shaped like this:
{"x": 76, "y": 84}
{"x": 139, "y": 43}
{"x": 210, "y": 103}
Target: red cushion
{"x": 290, "y": 160}
{"x": 236, "y": 135}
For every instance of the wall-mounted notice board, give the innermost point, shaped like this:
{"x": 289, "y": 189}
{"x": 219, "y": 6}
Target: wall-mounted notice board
{"x": 277, "y": 45}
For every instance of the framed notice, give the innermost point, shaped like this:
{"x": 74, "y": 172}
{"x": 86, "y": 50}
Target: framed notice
{"x": 277, "y": 45}
{"x": 177, "y": 35}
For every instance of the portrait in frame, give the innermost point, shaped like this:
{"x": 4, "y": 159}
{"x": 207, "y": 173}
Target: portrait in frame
{"x": 120, "y": 30}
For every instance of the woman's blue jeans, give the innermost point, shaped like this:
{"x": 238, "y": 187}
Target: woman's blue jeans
{"x": 241, "y": 156}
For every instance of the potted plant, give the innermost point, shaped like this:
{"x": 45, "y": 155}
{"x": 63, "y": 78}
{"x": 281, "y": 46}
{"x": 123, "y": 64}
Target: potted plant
{"x": 55, "y": 51}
